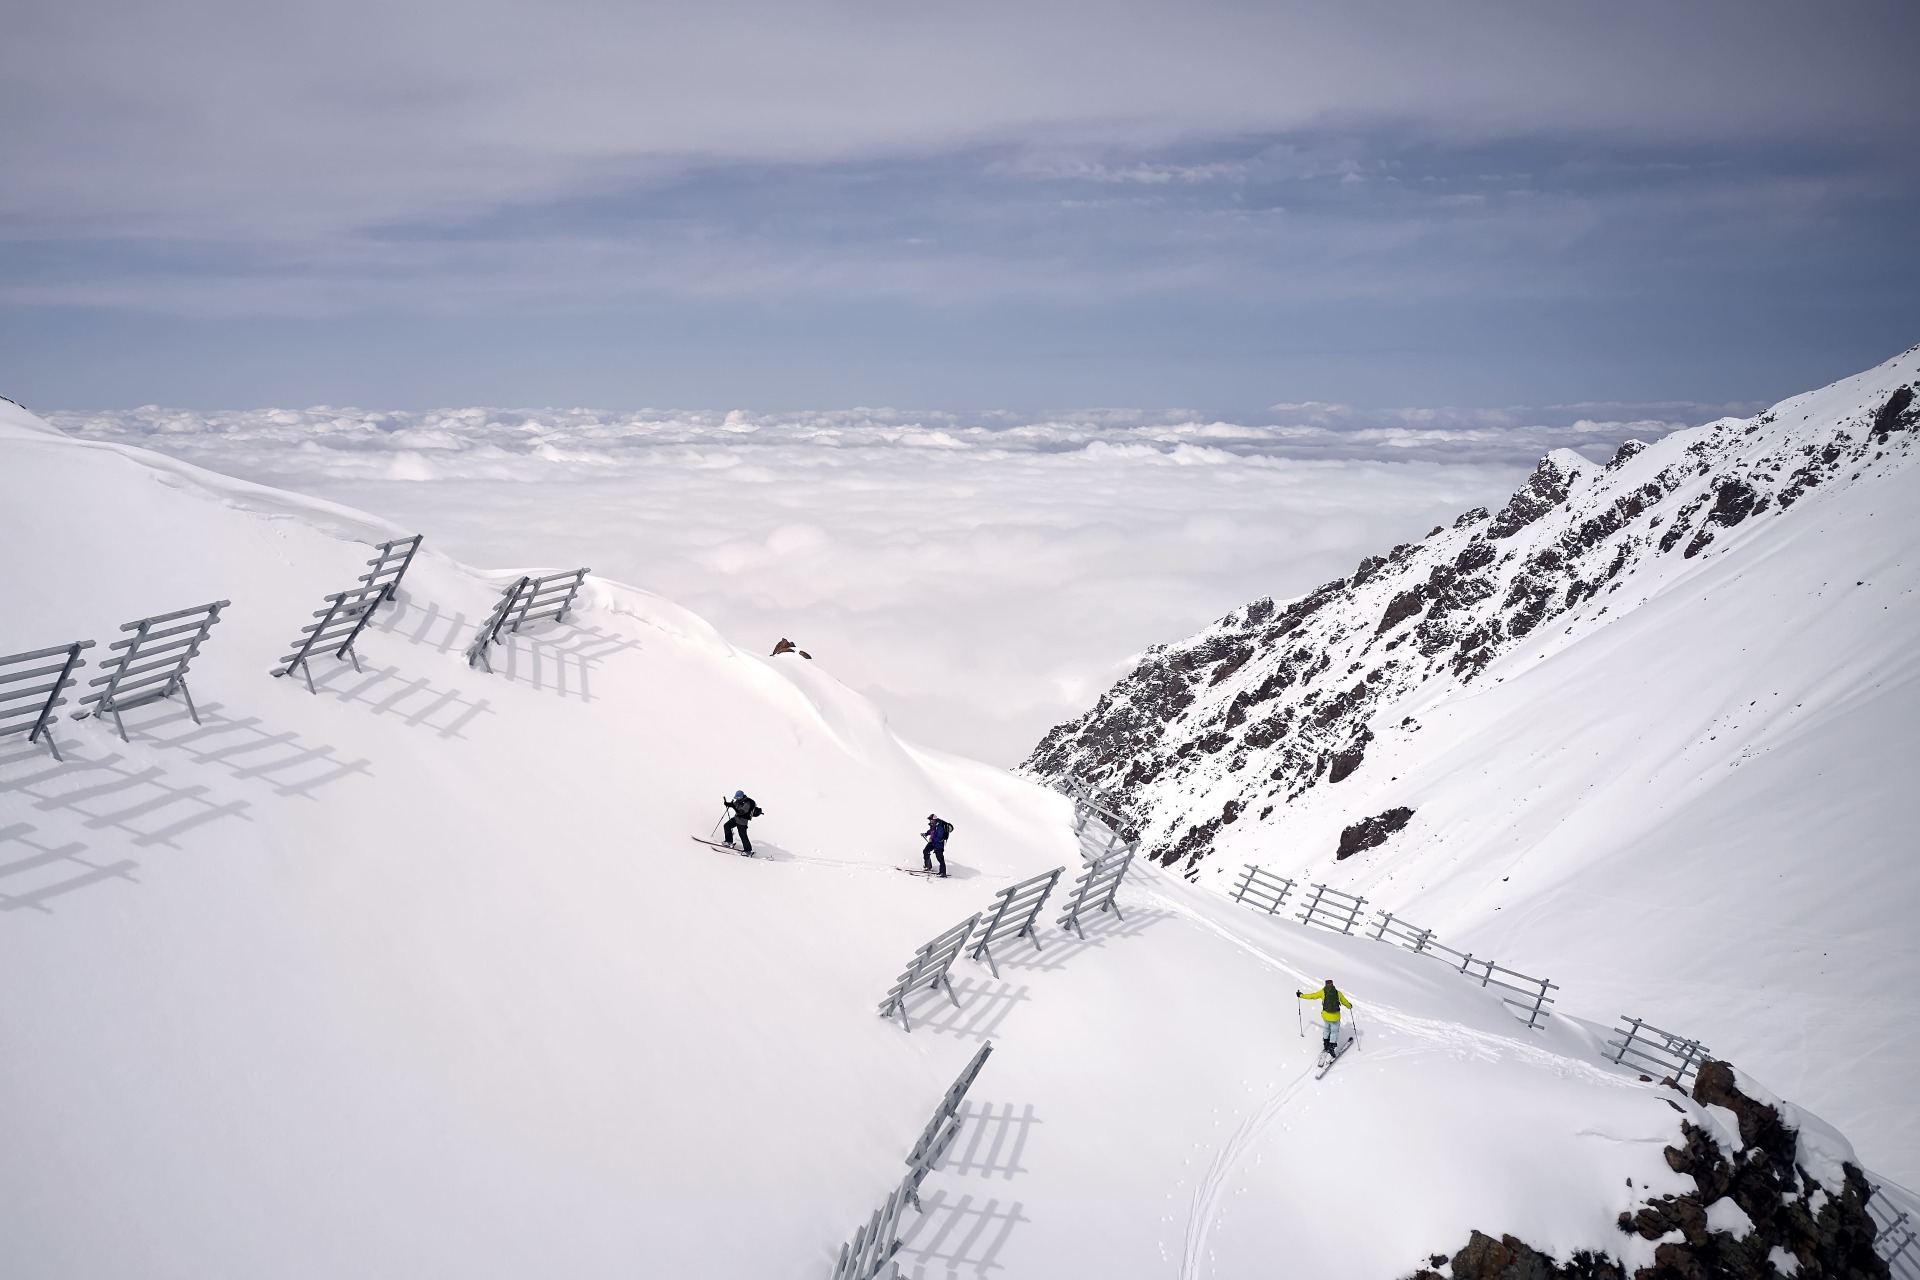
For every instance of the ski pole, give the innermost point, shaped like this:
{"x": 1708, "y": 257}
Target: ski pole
{"x": 1356, "y": 1028}
{"x": 1298, "y": 1021}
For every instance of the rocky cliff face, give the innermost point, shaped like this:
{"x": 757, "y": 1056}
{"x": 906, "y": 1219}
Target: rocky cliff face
{"x": 1277, "y": 699}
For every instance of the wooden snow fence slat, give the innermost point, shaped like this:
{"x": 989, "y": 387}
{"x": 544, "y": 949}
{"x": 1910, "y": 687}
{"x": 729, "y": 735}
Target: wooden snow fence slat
{"x": 1015, "y": 909}
{"x": 1097, "y": 887}
{"x": 1894, "y": 1239}
{"x": 1259, "y": 887}
{"x": 136, "y": 677}
{"x": 347, "y": 613}
{"x": 928, "y": 969}
{"x": 341, "y": 622}
{"x": 1531, "y": 995}
{"x": 28, "y": 708}
{"x": 1332, "y": 909}
{"x": 547, "y": 597}
{"x": 489, "y": 633}
{"x": 1646, "y": 1047}
{"x": 390, "y": 563}
{"x": 870, "y": 1253}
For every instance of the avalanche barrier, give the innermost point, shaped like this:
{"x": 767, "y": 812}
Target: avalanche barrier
{"x": 1017, "y": 907}
{"x": 489, "y": 633}
{"x": 928, "y": 969}
{"x": 1261, "y": 888}
{"x": 868, "y": 1255}
{"x": 1097, "y": 886}
{"x": 152, "y": 664}
{"x": 28, "y": 708}
{"x": 1655, "y": 1050}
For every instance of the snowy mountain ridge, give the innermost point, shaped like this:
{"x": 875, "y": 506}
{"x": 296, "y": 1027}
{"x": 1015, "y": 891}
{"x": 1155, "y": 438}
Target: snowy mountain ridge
{"x": 1556, "y": 732}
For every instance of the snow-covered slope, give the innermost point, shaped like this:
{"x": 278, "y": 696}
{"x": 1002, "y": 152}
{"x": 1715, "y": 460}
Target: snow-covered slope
{"x": 421, "y": 976}
{"x": 1653, "y": 722}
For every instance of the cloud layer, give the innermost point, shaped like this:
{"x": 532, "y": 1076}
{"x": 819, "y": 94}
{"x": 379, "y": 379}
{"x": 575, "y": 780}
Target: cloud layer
{"x": 982, "y": 577}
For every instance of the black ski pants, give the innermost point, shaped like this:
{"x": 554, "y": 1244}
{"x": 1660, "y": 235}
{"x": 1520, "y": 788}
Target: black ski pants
{"x": 746, "y": 844}
{"x": 932, "y": 851}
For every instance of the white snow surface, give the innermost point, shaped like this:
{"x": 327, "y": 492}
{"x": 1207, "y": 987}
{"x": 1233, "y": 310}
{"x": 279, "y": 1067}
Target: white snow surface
{"x": 1686, "y": 800}
{"x": 422, "y": 976}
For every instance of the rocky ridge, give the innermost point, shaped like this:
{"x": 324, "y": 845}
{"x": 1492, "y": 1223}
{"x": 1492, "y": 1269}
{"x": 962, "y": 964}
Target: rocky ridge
{"x": 1276, "y": 699}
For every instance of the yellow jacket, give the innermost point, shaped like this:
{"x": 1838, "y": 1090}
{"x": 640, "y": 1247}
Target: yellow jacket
{"x": 1321, "y": 994}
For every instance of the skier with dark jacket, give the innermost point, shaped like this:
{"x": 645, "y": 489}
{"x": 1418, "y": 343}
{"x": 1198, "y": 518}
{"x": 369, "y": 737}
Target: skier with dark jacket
{"x": 1330, "y": 998}
{"x": 938, "y": 829}
{"x": 744, "y": 810}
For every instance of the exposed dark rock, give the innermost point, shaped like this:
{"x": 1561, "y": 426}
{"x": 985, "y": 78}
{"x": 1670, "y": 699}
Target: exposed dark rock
{"x": 1369, "y": 833}
{"x": 1544, "y": 490}
{"x": 1628, "y": 450}
{"x": 1400, "y": 608}
{"x": 1733, "y": 502}
{"x": 1349, "y": 759}
{"x": 1894, "y": 415}
{"x": 1829, "y": 1236}
{"x": 1276, "y": 698}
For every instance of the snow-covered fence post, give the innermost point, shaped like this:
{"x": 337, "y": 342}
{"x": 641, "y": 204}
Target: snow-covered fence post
{"x": 341, "y": 622}
{"x": 1096, "y": 888}
{"x": 390, "y": 563}
{"x": 1265, "y": 888}
{"x": 1893, "y": 1237}
{"x": 489, "y": 632}
{"x": 1536, "y": 988}
{"x": 1663, "y": 1051}
{"x": 27, "y": 708}
{"x": 1342, "y": 910}
{"x": 928, "y": 969}
{"x": 162, "y": 654}
{"x": 548, "y": 597}
{"x": 945, "y": 1125}
{"x": 1016, "y": 908}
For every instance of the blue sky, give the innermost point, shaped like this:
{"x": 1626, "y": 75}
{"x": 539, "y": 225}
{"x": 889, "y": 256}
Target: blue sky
{"x": 1215, "y": 206}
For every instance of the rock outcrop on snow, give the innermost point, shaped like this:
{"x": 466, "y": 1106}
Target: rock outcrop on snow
{"x": 1275, "y": 700}
{"x": 1757, "y": 1210}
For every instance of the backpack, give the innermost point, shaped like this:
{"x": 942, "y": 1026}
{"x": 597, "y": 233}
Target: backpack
{"x": 1330, "y": 999}
{"x": 946, "y": 829}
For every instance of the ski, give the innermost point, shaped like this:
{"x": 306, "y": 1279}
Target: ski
{"x": 1326, "y": 1063}
{"x": 715, "y": 844}
{"x": 915, "y": 871}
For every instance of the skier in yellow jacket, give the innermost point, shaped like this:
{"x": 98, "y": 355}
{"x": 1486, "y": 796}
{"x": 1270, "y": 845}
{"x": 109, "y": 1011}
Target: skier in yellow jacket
{"x": 1330, "y": 998}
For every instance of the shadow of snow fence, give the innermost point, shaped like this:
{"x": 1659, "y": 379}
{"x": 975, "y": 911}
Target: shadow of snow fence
{"x": 548, "y": 597}
{"x": 1332, "y": 909}
{"x": 928, "y": 969}
{"x": 1893, "y": 1237}
{"x": 1261, "y": 888}
{"x": 1530, "y": 996}
{"x": 489, "y": 633}
{"x": 1012, "y": 915}
{"x": 389, "y": 564}
{"x": 1646, "y": 1047}
{"x": 152, "y": 663}
{"x": 341, "y": 622}
{"x": 1096, "y": 887}
{"x": 870, "y": 1253}
{"x": 30, "y": 687}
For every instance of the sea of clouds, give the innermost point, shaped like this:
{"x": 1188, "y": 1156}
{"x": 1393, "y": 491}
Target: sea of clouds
{"x": 982, "y": 577}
